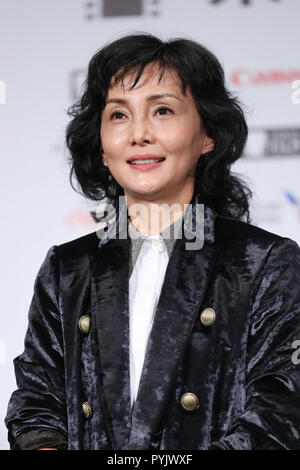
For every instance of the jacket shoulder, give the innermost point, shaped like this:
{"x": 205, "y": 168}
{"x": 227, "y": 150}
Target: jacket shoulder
{"x": 237, "y": 231}
{"x": 79, "y": 247}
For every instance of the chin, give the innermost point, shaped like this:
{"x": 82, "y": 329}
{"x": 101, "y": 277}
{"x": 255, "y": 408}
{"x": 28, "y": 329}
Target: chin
{"x": 143, "y": 192}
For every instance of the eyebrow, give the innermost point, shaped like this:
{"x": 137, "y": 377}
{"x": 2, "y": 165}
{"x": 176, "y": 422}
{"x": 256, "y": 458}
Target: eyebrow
{"x": 149, "y": 98}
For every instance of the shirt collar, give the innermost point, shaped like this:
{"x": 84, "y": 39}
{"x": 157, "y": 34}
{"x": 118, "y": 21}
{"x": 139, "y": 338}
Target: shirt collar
{"x": 168, "y": 236}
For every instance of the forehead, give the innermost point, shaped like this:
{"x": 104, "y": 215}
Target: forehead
{"x": 151, "y": 80}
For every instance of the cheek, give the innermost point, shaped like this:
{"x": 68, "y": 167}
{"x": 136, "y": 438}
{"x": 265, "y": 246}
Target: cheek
{"x": 171, "y": 137}
{"x": 178, "y": 139}
{"x": 112, "y": 141}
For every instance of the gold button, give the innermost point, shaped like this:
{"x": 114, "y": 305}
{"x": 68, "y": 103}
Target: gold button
{"x": 87, "y": 409}
{"x": 189, "y": 401}
{"x": 84, "y": 323}
{"x": 208, "y": 316}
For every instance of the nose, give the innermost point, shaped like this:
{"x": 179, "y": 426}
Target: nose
{"x": 141, "y": 133}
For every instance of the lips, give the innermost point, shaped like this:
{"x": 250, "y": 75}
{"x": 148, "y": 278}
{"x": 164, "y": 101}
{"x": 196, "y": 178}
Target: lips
{"x": 145, "y": 159}
{"x": 145, "y": 164}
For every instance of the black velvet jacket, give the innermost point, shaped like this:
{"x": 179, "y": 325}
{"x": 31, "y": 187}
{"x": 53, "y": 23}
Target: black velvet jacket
{"x": 244, "y": 368}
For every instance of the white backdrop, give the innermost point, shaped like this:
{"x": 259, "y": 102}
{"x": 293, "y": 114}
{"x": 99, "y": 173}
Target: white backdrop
{"x": 44, "y": 51}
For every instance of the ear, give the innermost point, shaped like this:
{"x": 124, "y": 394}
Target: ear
{"x": 207, "y": 144}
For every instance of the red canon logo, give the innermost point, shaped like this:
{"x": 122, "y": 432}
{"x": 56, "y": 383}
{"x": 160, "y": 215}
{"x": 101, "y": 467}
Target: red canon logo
{"x": 246, "y": 77}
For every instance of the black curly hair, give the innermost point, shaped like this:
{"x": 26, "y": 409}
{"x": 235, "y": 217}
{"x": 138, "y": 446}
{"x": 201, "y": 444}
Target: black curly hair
{"x": 221, "y": 114}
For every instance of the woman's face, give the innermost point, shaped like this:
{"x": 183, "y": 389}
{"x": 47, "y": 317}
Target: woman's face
{"x": 155, "y": 120}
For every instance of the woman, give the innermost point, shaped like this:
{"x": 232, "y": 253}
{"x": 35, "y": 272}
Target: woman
{"x": 146, "y": 341}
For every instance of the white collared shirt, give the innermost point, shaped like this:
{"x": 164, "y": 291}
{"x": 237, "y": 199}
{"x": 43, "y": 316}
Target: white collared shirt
{"x": 144, "y": 290}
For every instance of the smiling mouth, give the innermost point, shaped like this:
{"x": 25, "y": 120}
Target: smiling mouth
{"x": 146, "y": 161}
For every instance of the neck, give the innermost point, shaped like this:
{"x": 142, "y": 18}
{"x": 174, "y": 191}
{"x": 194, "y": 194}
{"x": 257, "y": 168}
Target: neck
{"x": 152, "y": 216}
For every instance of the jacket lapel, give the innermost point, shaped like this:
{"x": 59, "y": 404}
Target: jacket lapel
{"x": 184, "y": 287}
{"x": 182, "y": 292}
{"x": 110, "y": 309}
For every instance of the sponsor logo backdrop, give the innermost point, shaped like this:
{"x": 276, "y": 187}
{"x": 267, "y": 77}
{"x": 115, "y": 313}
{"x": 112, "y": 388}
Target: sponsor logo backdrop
{"x": 45, "y": 48}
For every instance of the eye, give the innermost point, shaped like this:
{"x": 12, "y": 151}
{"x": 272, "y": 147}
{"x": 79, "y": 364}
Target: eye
{"x": 117, "y": 115}
{"x": 162, "y": 110}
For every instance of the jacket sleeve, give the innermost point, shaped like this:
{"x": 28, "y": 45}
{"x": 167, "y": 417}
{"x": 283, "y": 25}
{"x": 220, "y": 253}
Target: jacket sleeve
{"x": 36, "y": 413}
{"x": 271, "y": 416}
